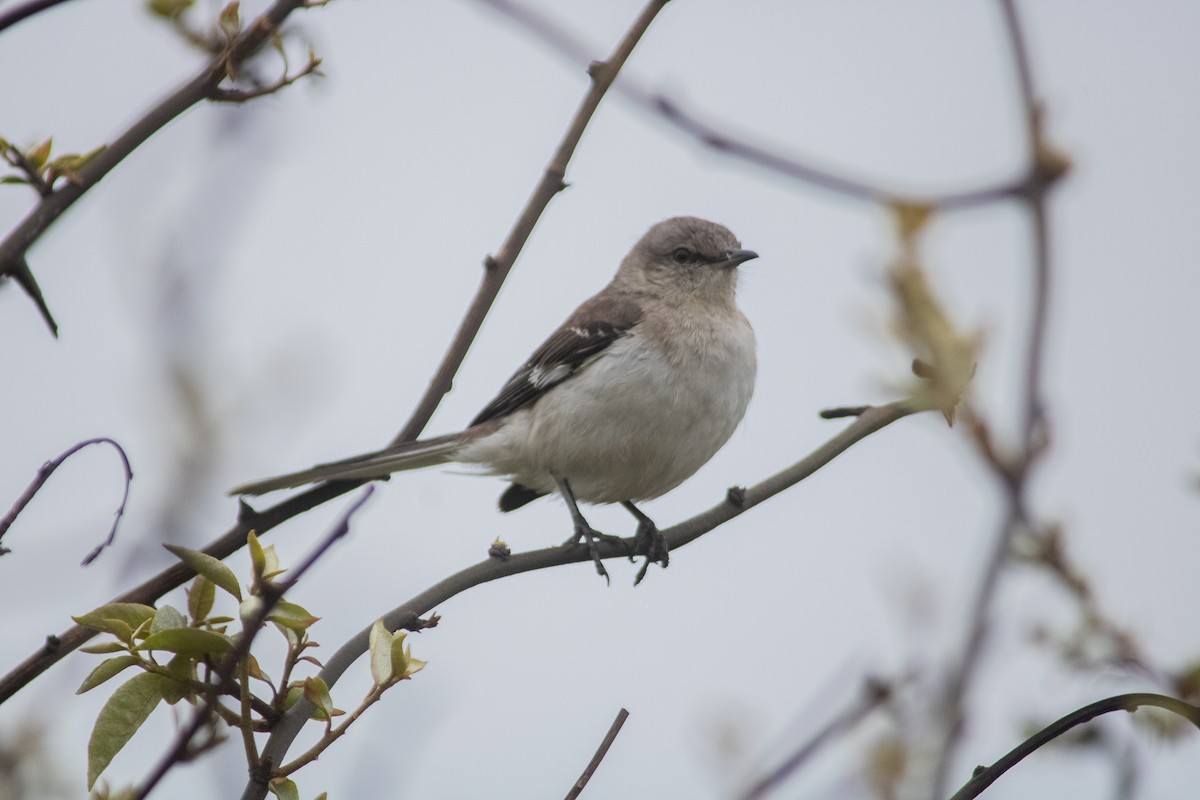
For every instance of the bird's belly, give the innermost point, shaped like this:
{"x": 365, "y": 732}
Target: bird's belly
{"x": 635, "y": 426}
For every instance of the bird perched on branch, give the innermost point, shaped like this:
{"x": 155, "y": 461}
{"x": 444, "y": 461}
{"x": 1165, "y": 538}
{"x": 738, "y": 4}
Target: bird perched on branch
{"x": 637, "y": 390}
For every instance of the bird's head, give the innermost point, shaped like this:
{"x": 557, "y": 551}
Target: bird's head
{"x": 685, "y": 258}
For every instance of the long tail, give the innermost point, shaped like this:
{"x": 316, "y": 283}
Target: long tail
{"x": 410, "y": 455}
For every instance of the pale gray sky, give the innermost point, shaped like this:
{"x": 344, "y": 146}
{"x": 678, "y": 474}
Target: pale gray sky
{"x": 323, "y": 243}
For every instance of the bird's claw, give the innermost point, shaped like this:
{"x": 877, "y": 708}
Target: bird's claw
{"x": 589, "y": 536}
{"x": 650, "y": 542}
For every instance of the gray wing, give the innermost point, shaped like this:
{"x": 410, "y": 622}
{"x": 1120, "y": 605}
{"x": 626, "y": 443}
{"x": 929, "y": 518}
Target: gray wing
{"x": 588, "y": 332}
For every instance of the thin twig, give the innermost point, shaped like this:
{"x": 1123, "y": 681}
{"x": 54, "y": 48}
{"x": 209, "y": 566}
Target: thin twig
{"x": 1041, "y": 176}
{"x": 272, "y": 594}
{"x": 44, "y": 473}
{"x": 407, "y": 615}
{"x": 551, "y": 183}
{"x": 875, "y": 694}
{"x": 601, "y": 752}
{"x": 985, "y": 777}
{"x": 722, "y": 140}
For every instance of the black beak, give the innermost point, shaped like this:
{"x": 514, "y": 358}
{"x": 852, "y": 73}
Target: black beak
{"x": 735, "y": 257}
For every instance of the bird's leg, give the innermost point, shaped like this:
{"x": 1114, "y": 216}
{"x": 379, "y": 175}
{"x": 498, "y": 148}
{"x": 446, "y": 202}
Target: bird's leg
{"x": 649, "y": 540}
{"x": 584, "y": 531}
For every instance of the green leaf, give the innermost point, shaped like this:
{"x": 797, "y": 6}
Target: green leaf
{"x": 284, "y": 789}
{"x": 381, "y": 653}
{"x": 40, "y": 154}
{"x": 120, "y": 718}
{"x": 119, "y": 619}
{"x": 316, "y": 691}
{"x": 212, "y": 568}
{"x": 229, "y": 21}
{"x": 168, "y": 9}
{"x": 181, "y": 670}
{"x": 107, "y": 669}
{"x": 103, "y": 648}
{"x": 167, "y": 618}
{"x": 322, "y": 796}
{"x": 13, "y": 179}
{"x": 258, "y": 560}
{"x": 290, "y": 615}
{"x": 191, "y": 642}
{"x": 201, "y": 595}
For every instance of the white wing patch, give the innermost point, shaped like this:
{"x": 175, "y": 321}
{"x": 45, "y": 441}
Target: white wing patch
{"x": 542, "y": 375}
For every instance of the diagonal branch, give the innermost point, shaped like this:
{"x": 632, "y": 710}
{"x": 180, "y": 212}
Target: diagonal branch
{"x": 15, "y": 246}
{"x": 985, "y": 777}
{"x": 601, "y": 752}
{"x": 738, "y": 147}
{"x": 552, "y": 182}
{"x": 407, "y": 615}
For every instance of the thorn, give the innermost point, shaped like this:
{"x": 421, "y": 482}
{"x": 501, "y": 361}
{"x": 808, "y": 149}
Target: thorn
{"x": 246, "y": 514}
{"x": 24, "y": 278}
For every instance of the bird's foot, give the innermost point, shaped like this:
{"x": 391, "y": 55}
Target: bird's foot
{"x": 650, "y": 542}
{"x": 589, "y": 536}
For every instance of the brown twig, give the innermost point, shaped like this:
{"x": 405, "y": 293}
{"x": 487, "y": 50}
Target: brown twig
{"x": 724, "y": 141}
{"x": 1041, "y": 174}
{"x": 409, "y": 614}
{"x": 44, "y": 473}
{"x": 272, "y": 593}
{"x": 985, "y": 777}
{"x": 551, "y": 183}
{"x": 601, "y": 752}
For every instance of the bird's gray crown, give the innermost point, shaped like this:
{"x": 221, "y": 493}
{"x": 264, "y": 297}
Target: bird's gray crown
{"x": 707, "y": 240}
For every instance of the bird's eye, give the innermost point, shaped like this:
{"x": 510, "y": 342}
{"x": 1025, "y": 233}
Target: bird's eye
{"x": 682, "y": 255}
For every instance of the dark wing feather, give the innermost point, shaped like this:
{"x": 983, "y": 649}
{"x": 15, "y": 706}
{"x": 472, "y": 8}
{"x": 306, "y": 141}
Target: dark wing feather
{"x": 588, "y": 332}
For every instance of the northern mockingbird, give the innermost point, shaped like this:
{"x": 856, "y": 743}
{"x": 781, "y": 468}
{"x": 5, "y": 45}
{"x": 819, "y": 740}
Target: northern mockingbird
{"x": 637, "y": 390}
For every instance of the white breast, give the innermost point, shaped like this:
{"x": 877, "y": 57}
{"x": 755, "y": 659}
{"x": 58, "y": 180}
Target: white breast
{"x": 635, "y": 422}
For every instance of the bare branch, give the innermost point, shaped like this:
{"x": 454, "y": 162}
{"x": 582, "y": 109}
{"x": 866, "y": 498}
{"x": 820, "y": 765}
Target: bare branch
{"x": 723, "y": 140}
{"x": 44, "y": 473}
{"x": 552, "y": 182}
{"x": 408, "y": 615}
{"x": 601, "y": 752}
{"x": 985, "y": 777}
{"x": 1042, "y": 173}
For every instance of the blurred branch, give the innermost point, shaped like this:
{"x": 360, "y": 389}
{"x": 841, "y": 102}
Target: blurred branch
{"x": 1045, "y": 167}
{"x": 601, "y": 752}
{"x": 407, "y": 615}
{"x": 25, "y": 11}
{"x": 14, "y": 247}
{"x": 44, "y": 473}
{"x": 985, "y": 777}
{"x": 270, "y": 595}
{"x": 875, "y": 693}
{"x": 552, "y": 182}
{"x": 721, "y": 139}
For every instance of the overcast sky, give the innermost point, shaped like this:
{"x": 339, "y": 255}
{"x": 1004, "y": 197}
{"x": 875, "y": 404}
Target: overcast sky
{"x": 260, "y": 288}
